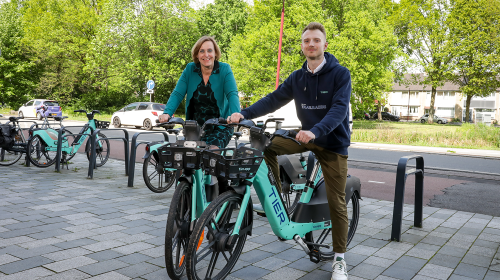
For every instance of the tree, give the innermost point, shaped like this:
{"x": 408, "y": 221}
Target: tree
{"x": 422, "y": 32}
{"x": 254, "y": 54}
{"x": 18, "y": 73}
{"x": 60, "y": 33}
{"x": 135, "y": 43}
{"x": 223, "y": 19}
{"x": 475, "y": 42}
{"x": 367, "y": 46}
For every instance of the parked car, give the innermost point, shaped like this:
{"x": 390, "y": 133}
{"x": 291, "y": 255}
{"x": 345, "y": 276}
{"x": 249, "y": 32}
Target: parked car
{"x": 38, "y": 108}
{"x": 138, "y": 114}
{"x": 387, "y": 116}
{"x": 436, "y": 119}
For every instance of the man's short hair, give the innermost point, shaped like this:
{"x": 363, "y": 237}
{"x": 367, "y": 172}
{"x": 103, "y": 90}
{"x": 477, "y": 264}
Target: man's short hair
{"x": 197, "y": 46}
{"x": 315, "y": 25}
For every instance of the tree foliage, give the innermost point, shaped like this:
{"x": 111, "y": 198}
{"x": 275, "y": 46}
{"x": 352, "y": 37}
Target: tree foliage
{"x": 18, "y": 73}
{"x": 475, "y": 42}
{"x": 423, "y": 33}
{"x": 223, "y": 19}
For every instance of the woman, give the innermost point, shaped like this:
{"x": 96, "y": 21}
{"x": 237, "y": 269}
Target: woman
{"x": 211, "y": 91}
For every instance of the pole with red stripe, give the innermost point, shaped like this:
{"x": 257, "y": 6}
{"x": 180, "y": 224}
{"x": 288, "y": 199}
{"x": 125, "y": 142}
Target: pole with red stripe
{"x": 279, "y": 48}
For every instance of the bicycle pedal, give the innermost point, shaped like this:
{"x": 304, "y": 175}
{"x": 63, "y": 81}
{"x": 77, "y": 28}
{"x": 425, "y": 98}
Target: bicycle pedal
{"x": 314, "y": 256}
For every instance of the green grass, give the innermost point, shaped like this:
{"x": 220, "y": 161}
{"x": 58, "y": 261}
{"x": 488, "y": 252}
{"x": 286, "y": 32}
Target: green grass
{"x": 469, "y": 136}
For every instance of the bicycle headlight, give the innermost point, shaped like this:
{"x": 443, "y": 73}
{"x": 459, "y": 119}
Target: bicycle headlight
{"x": 178, "y": 156}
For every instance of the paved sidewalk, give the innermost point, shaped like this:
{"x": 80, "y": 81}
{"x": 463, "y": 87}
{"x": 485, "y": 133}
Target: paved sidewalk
{"x": 65, "y": 226}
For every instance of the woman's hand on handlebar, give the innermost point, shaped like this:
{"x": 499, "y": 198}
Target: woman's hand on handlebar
{"x": 163, "y": 118}
{"x": 305, "y": 136}
{"x": 235, "y": 118}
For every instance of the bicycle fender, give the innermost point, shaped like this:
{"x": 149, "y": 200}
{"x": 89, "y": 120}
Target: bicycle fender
{"x": 153, "y": 147}
{"x": 188, "y": 179}
{"x": 317, "y": 210}
{"x": 292, "y": 167}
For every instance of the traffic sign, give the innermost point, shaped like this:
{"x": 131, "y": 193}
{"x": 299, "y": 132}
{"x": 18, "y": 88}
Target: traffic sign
{"x": 150, "y": 91}
{"x": 151, "y": 84}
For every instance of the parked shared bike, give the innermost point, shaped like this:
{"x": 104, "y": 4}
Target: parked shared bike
{"x": 42, "y": 145}
{"x": 220, "y": 233}
{"x": 12, "y": 142}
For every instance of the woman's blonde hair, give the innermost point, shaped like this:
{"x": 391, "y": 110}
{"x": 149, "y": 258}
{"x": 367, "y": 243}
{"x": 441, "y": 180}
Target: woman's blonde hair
{"x": 196, "y": 48}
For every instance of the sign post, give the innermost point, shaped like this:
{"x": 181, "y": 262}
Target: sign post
{"x": 150, "y": 85}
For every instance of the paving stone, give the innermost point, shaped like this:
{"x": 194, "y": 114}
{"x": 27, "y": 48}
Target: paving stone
{"x": 67, "y": 254}
{"x": 251, "y": 272}
{"x": 34, "y": 273}
{"x": 445, "y": 260}
{"x": 105, "y": 255}
{"x": 289, "y": 255}
{"x": 436, "y": 271}
{"x": 452, "y": 251}
{"x": 477, "y": 260}
{"x": 110, "y": 276}
{"x": 103, "y": 267}
{"x": 471, "y": 271}
{"x": 25, "y": 264}
{"x": 366, "y": 271}
{"x": 378, "y": 261}
{"x": 134, "y": 258}
{"x": 75, "y": 243}
{"x": 285, "y": 273}
{"x": 72, "y": 274}
{"x": 137, "y": 270}
{"x": 68, "y": 264}
{"x": 405, "y": 268}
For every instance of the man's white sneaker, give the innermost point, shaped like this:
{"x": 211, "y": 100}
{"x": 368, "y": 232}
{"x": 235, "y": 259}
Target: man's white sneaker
{"x": 339, "y": 269}
{"x": 258, "y": 208}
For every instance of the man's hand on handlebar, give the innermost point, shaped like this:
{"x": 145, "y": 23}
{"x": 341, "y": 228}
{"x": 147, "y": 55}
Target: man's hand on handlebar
{"x": 235, "y": 118}
{"x": 305, "y": 136}
{"x": 163, "y": 118}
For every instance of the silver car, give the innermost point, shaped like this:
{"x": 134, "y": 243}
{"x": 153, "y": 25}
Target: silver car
{"x": 436, "y": 119}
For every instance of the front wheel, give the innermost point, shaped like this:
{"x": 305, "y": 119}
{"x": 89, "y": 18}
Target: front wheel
{"x": 290, "y": 196}
{"x": 422, "y": 121}
{"x": 178, "y": 230}
{"x": 116, "y": 122}
{"x": 39, "y": 116}
{"x": 157, "y": 179}
{"x": 39, "y": 154}
{"x": 213, "y": 249}
{"x": 147, "y": 124}
{"x": 9, "y": 157}
{"x": 440, "y": 122}
{"x": 21, "y": 115}
{"x": 325, "y": 237}
{"x": 102, "y": 149}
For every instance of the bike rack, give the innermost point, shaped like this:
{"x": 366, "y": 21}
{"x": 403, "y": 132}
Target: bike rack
{"x": 59, "y": 144}
{"x": 93, "y": 154}
{"x": 133, "y": 153}
{"x": 401, "y": 175}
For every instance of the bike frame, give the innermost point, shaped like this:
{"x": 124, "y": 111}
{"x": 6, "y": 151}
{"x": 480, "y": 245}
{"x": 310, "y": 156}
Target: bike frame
{"x": 50, "y": 136}
{"x": 274, "y": 208}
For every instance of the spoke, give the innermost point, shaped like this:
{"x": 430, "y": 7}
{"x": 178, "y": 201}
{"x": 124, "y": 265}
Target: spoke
{"x": 178, "y": 251}
{"x": 204, "y": 249}
{"x": 211, "y": 265}
{"x": 175, "y": 240}
{"x": 324, "y": 237}
{"x": 224, "y": 254}
{"x": 154, "y": 173}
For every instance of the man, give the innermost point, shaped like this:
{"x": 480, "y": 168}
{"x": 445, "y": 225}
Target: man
{"x": 322, "y": 91}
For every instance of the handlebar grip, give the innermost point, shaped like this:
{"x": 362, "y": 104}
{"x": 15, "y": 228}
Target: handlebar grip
{"x": 80, "y": 111}
{"x": 222, "y": 121}
{"x": 292, "y": 134}
{"x": 157, "y": 121}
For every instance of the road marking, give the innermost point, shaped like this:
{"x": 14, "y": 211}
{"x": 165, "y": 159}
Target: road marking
{"x": 376, "y": 182}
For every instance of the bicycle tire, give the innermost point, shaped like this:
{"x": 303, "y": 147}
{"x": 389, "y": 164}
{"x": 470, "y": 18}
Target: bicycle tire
{"x": 177, "y": 230}
{"x": 216, "y": 239}
{"x": 325, "y": 237}
{"x": 38, "y": 155}
{"x": 290, "y": 197}
{"x": 8, "y": 157}
{"x": 157, "y": 179}
{"x": 102, "y": 152}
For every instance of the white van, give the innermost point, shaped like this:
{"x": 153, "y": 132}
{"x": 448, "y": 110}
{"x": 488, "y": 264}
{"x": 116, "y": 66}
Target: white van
{"x": 289, "y": 113}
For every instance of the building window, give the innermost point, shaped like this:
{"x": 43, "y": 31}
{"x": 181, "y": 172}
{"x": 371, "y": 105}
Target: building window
{"x": 446, "y": 112}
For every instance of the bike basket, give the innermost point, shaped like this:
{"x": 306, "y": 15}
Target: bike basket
{"x": 232, "y": 163}
{"x": 182, "y": 154}
{"x": 101, "y": 124}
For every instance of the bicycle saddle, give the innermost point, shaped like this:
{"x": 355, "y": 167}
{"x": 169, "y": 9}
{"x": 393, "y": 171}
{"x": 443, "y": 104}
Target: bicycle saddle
{"x": 13, "y": 119}
{"x": 174, "y": 130}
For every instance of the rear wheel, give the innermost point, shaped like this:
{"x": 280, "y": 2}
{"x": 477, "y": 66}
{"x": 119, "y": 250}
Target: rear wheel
{"x": 70, "y": 138}
{"x": 157, "y": 179}
{"x": 9, "y": 157}
{"x": 178, "y": 230}
{"x": 439, "y": 122}
{"x": 39, "y": 154}
{"x": 213, "y": 250}
{"x": 102, "y": 150}
{"x": 290, "y": 196}
{"x": 39, "y": 116}
{"x": 21, "y": 115}
{"x": 325, "y": 237}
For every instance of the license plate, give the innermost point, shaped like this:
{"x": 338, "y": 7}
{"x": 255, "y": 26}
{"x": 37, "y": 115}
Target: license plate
{"x": 53, "y": 114}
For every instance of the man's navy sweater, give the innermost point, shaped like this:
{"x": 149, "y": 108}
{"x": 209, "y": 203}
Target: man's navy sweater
{"x": 321, "y": 100}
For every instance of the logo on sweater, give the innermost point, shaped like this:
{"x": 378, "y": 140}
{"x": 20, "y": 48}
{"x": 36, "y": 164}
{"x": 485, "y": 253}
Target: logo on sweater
{"x": 323, "y": 91}
{"x": 319, "y": 107}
